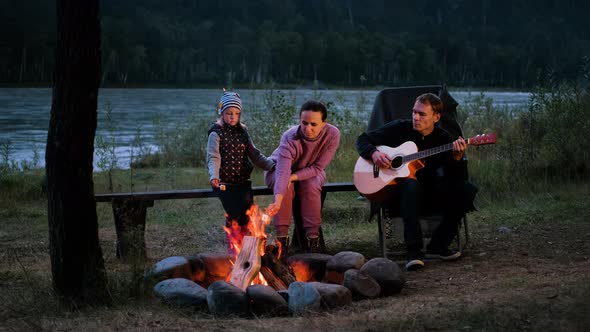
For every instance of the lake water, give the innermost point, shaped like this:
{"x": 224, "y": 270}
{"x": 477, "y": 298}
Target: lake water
{"x": 24, "y": 112}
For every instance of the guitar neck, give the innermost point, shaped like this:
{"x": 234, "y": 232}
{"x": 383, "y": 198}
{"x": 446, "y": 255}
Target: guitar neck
{"x": 428, "y": 152}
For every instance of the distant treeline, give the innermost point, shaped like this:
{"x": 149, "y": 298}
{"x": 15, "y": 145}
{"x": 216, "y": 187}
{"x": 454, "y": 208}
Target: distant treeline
{"x": 502, "y": 43}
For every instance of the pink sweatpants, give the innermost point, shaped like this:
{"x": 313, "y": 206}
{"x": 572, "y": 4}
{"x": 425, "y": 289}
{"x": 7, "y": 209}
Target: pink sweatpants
{"x": 310, "y": 194}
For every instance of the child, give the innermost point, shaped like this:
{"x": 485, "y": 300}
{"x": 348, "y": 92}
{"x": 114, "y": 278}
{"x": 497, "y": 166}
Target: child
{"x": 229, "y": 152}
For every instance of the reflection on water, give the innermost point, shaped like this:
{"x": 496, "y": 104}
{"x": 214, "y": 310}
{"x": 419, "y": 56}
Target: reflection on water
{"x": 24, "y": 113}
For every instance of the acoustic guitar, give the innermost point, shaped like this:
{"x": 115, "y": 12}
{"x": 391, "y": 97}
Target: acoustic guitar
{"x": 405, "y": 161}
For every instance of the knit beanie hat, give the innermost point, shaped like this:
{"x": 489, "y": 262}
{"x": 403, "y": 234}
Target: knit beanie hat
{"x": 229, "y": 99}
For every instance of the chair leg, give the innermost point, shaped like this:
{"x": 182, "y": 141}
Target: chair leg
{"x": 466, "y": 230}
{"x": 461, "y": 246}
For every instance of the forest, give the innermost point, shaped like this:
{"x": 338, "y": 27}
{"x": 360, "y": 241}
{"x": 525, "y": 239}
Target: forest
{"x": 310, "y": 43}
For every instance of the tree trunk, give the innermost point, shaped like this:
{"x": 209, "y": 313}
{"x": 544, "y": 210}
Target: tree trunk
{"x": 23, "y": 64}
{"x": 77, "y": 264}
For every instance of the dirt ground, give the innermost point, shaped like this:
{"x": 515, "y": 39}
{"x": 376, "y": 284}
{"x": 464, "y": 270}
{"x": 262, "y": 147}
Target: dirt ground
{"x": 527, "y": 268}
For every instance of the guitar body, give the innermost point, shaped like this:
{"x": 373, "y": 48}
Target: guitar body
{"x": 370, "y": 180}
{"x": 364, "y": 176}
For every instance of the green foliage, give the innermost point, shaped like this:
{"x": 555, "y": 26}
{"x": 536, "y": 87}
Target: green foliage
{"x": 105, "y": 148}
{"x": 267, "y": 124}
{"x": 9, "y": 166}
{"x": 5, "y": 149}
{"x": 353, "y": 43}
{"x": 183, "y": 144}
{"x": 27, "y": 185}
{"x": 536, "y": 147}
{"x": 563, "y": 123}
{"x": 351, "y": 123}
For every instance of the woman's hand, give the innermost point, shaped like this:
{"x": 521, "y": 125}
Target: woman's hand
{"x": 275, "y": 206}
{"x": 215, "y": 183}
{"x": 292, "y": 179}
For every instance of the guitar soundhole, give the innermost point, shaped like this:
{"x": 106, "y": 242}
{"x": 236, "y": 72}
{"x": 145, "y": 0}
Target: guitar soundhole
{"x": 396, "y": 162}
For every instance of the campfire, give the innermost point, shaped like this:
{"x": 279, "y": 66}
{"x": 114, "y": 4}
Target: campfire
{"x": 256, "y": 262}
{"x": 256, "y": 281}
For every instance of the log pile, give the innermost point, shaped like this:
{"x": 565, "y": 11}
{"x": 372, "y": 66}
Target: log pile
{"x": 250, "y": 262}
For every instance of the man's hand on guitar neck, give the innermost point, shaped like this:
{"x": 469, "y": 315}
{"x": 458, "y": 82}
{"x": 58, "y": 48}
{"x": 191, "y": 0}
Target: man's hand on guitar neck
{"x": 459, "y": 147}
{"x": 381, "y": 159}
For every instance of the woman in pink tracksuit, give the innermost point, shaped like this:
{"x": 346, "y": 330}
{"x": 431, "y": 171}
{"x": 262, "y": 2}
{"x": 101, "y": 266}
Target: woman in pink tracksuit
{"x": 302, "y": 157}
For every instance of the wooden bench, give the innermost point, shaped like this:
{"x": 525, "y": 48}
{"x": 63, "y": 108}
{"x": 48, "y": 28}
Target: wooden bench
{"x": 130, "y": 209}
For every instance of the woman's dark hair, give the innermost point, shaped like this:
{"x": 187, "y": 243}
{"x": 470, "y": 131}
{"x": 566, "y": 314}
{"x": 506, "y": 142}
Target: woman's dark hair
{"x": 314, "y": 106}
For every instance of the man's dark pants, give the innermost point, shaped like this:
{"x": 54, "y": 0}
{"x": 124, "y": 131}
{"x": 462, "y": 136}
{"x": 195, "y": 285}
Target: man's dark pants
{"x": 410, "y": 199}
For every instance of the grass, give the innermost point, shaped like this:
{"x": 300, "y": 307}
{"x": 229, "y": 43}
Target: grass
{"x": 527, "y": 266}
{"x": 533, "y": 277}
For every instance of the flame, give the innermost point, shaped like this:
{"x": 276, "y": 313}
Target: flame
{"x": 257, "y": 221}
{"x": 302, "y": 272}
{"x": 235, "y": 236}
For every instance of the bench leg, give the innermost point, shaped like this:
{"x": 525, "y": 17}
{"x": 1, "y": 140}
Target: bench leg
{"x": 130, "y": 226}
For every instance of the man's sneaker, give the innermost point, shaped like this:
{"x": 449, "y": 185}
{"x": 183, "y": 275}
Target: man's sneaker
{"x": 415, "y": 261}
{"x": 444, "y": 254}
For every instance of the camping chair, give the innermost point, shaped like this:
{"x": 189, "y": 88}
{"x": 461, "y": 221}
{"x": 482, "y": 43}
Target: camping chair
{"x": 397, "y": 103}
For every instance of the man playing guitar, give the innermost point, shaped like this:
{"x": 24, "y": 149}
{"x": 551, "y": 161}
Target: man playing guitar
{"x": 437, "y": 186}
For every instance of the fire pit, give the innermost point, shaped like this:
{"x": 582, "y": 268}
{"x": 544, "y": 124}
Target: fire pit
{"x": 258, "y": 282}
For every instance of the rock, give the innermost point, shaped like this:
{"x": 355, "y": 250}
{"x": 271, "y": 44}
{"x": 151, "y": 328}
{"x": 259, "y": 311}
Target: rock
{"x": 361, "y": 285}
{"x": 181, "y": 292}
{"x": 389, "y": 276}
{"x": 308, "y": 267}
{"x": 332, "y": 296}
{"x": 265, "y": 301}
{"x": 226, "y": 299}
{"x": 504, "y": 229}
{"x": 303, "y": 298}
{"x": 171, "y": 267}
{"x": 284, "y": 293}
{"x": 206, "y": 268}
{"x": 340, "y": 263}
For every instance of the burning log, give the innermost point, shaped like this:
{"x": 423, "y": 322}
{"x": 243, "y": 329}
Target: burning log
{"x": 247, "y": 265}
{"x": 271, "y": 278}
{"x": 276, "y": 266}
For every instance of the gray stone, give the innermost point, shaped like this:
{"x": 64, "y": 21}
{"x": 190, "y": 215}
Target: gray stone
{"x": 308, "y": 267}
{"x": 389, "y": 276}
{"x": 340, "y": 263}
{"x": 181, "y": 292}
{"x": 171, "y": 267}
{"x": 265, "y": 301}
{"x": 303, "y": 298}
{"x": 284, "y": 293}
{"x": 332, "y": 296}
{"x": 362, "y": 285}
{"x": 226, "y": 299}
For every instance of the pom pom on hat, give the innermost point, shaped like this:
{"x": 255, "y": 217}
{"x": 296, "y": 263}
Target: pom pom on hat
{"x": 229, "y": 99}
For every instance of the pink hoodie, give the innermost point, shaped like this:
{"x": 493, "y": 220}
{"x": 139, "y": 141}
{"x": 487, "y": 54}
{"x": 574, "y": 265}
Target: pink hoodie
{"x": 304, "y": 157}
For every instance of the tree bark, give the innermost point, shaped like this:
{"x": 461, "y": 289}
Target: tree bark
{"x": 77, "y": 264}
